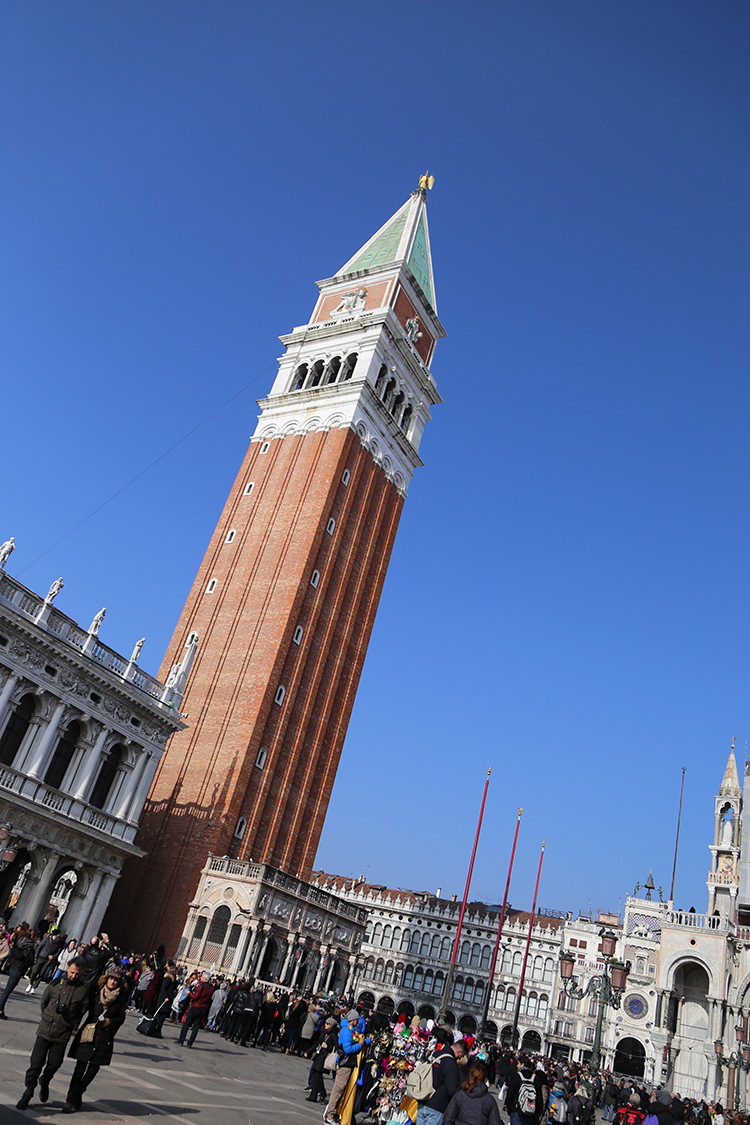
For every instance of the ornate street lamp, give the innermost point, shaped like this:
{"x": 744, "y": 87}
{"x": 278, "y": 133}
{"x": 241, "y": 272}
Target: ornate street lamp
{"x": 7, "y": 844}
{"x": 738, "y": 1061}
{"x": 608, "y": 990}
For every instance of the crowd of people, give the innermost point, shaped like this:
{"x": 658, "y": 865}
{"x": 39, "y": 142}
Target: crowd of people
{"x": 393, "y": 1070}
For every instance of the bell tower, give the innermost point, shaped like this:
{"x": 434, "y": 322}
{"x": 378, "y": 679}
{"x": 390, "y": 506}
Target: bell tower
{"x": 724, "y": 876}
{"x": 285, "y": 599}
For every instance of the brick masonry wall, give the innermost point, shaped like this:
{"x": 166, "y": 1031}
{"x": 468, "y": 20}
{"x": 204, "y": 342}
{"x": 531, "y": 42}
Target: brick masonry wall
{"x": 207, "y": 778}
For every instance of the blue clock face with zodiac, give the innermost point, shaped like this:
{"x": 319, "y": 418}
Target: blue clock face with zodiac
{"x": 636, "y": 1006}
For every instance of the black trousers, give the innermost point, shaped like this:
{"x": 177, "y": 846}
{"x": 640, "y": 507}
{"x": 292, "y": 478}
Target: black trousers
{"x": 44, "y": 1051}
{"x": 83, "y": 1075}
{"x": 317, "y": 1086}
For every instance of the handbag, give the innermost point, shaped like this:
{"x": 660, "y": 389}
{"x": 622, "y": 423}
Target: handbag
{"x": 331, "y": 1060}
{"x": 87, "y": 1034}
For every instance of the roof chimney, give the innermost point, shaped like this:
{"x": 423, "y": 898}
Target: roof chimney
{"x": 454, "y": 898}
{"x": 439, "y": 892}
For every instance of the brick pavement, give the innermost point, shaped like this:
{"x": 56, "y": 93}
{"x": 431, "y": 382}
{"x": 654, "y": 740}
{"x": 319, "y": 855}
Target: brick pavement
{"x": 214, "y": 1083}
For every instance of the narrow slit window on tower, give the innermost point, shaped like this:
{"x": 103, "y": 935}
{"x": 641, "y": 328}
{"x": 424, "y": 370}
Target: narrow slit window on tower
{"x": 241, "y": 826}
{"x": 249, "y": 487}
{"x": 265, "y": 447}
{"x": 298, "y": 634}
{"x": 331, "y": 526}
{"x": 346, "y": 477}
{"x": 230, "y": 536}
{"x": 280, "y": 693}
{"x": 315, "y": 578}
{"x": 260, "y": 761}
{"x": 211, "y": 586}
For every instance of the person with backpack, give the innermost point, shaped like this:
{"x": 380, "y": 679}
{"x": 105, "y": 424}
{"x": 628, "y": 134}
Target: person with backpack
{"x": 473, "y": 1104}
{"x": 660, "y": 1107}
{"x": 351, "y": 1042}
{"x": 610, "y": 1098}
{"x": 631, "y": 1113}
{"x": 581, "y": 1106}
{"x": 522, "y": 1097}
{"x": 557, "y": 1112}
{"x": 445, "y": 1078}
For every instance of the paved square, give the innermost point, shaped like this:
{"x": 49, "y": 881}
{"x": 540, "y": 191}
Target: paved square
{"x": 214, "y": 1083}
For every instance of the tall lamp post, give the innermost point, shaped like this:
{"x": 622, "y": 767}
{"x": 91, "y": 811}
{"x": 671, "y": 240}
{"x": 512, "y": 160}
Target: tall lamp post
{"x": 739, "y": 1060}
{"x": 607, "y": 988}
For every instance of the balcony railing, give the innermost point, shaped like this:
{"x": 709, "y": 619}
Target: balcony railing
{"x": 64, "y": 805}
{"x": 683, "y": 918}
{"x": 249, "y": 870}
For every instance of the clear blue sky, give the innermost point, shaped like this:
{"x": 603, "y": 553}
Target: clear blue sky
{"x": 568, "y": 596}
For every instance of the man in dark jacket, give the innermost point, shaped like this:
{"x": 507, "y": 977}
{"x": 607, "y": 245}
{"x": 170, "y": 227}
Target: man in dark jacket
{"x": 446, "y": 1078}
{"x": 200, "y": 999}
{"x": 166, "y": 993}
{"x": 46, "y": 956}
{"x": 522, "y": 1075}
{"x": 93, "y": 959}
{"x": 63, "y": 1004}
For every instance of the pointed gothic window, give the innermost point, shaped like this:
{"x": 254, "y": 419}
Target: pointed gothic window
{"x": 16, "y": 728}
{"x": 61, "y": 758}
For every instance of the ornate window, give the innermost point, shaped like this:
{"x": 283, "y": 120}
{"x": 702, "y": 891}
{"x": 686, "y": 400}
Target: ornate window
{"x": 424, "y": 949}
{"x": 405, "y": 941}
{"x": 486, "y": 957}
{"x": 510, "y": 999}
{"x": 64, "y": 751}
{"x": 414, "y": 947}
{"x": 542, "y": 1007}
{"x": 435, "y": 947}
{"x": 437, "y": 987}
{"x": 418, "y": 975}
{"x": 538, "y": 969}
{"x": 377, "y": 933}
{"x": 445, "y": 949}
{"x": 396, "y": 939}
{"x": 386, "y": 937}
{"x": 103, "y": 784}
{"x": 16, "y": 728}
{"x": 458, "y": 989}
{"x": 531, "y": 1005}
{"x": 517, "y": 959}
{"x": 408, "y": 976}
{"x": 465, "y": 953}
{"x": 479, "y": 992}
{"x": 428, "y": 977}
{"x": 379, "y": 971}
{"x": 476, "y": 953}
{"x": 388, "y": 978}
{"x": 549, "y": 969}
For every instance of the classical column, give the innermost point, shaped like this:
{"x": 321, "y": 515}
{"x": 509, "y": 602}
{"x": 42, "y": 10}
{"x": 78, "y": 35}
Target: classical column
{"x": 139, "y": 797}
{"x": 298, "y": 966}
{"x": 38, "y": 764}
{"x": 666, "y": 998}
{"x": 87, "y": 907}
{"x": 76, "y": 903}
{"x": 130, "y": 791}
{"x": 321, "y": 964}
{"x": 290, "y": 939}
{"x": 250, "y": 934}
{"x": 34, "y": 898}
{"x": 331, "y": 967}
{"x": 88, "y": 766}
{"x": 351, "y": 962}
{"x": 101, "y": 902}
{"x": 118, "y": 787}
{"x": 8, "y": 686}
{"x": 259, "y": 963}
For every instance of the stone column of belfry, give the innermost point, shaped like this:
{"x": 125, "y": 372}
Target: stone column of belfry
{"x": 285, "y": 599}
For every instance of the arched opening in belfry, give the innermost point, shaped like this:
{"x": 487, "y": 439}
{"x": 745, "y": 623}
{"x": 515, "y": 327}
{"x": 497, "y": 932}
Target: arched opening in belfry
{"x": 299, "y": 377}
{"x": 317, "y": 373}
{"x": 389, "y": 393}
{"x": 332, "y": 370}
{"x": 348, "y": 368}
{"x": 107, "y": 773}
{"x": 689, "y": 1019}
{"x": 406, "y": 419}
{"x": 381, "y": 380}
{"x": 15, "y": 729}
{"x": 62, "y": 756}
{"x": 726, "y": 827}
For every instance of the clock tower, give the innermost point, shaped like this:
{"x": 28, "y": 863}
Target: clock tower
{"x": 280, "y": 614}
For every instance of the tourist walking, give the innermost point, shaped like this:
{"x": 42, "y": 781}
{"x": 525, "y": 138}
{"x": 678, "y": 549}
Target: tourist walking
{"x": 473, "y": 1104}
{"x": 46, "y": 956}
{"x": 200, "y": 999}
{"x": 22, "y": 958}
{"x": 68, "y": 954}
{"x": 93, "y": 1043}
{"x": 63, "y": 1004}
{"x": 446, "y": 1078}
{"x": 351, "y": 1042}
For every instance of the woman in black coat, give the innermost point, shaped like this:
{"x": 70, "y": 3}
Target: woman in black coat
{"x": 93, "y": 1043}
{"x": 472, "y": 1103}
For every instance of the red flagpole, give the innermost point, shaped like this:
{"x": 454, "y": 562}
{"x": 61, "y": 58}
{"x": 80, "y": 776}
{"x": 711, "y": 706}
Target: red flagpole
{"x": 500, "y": 924}
{"x": 449, "y": 976}
{"x": 514, "y": 1033}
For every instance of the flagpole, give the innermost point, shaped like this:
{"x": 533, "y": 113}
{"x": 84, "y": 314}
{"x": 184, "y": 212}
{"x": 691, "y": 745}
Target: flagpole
{"x": 677, "y": 838}
{"x": 486, "y": 1004}
{"x": 517, "y": 1012}
{"x": 451, "y": 968}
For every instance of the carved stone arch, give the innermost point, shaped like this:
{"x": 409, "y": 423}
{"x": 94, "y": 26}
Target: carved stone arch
{"x": 335, "y": 420}
{"x": 375, "y": 449}
{"x": 743, "y": 991}
{"x": 291, "y": 428}
{"x": 398, "y": 480}
{"x": 268, "y": 433}
{"x": 312, "y": 424}
{"x": 685, "y": 959}
{"x": 363, "y": 432}
{"x": 387, "y": 465}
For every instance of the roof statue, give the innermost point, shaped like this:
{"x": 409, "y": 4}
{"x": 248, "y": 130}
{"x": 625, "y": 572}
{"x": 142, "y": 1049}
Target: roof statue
{"x": 426, "y": 182}
{"x": 730, "y": 785}
{"x": 53, "y": 591}
{"x": 6, "y": 550}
